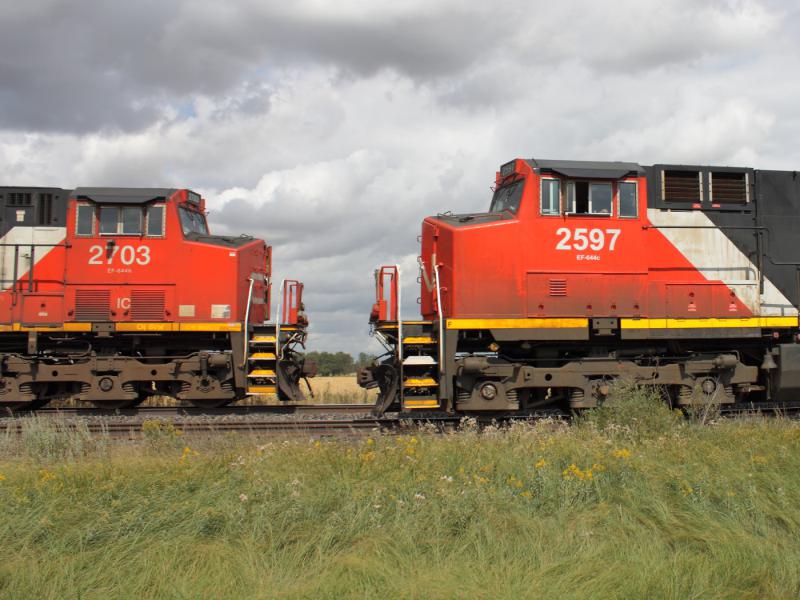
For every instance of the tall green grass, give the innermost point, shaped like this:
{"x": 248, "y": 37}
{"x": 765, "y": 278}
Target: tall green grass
{"x": 629, "y": 504}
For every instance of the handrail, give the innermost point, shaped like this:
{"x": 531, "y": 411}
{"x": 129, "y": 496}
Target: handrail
{"x": 278, "y": 317}
{"x": 398, "y": 309}
{"x": 441, "y": 319}
{"x": 399, "y": 314}
{"x": 246, "y": 321}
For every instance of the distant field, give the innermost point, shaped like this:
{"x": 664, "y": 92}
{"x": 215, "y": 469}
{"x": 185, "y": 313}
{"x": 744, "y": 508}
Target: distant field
{"x": 633, "y": 503}
{"x": 341, "y": 389}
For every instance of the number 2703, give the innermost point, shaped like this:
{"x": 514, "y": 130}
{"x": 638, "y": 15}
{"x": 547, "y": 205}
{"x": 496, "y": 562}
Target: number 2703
{"x": 127, "y": 255}
{"x": 583, "y": 239}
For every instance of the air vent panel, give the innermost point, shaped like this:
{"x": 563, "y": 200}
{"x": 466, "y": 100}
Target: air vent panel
{"x": 92, "y": 305}
{"x": 147, "y": 305}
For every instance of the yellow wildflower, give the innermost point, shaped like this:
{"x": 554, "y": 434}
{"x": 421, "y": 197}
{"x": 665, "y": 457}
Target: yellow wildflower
{"x": 187, "y": 452}
{"x": 45, "y": 475}
{"x": 575, "y": 472}
{"x": 623, "y": 453}
{"x": 2, "y": 477}
{"x": 540, "y": 464}
{"x": 526, "y": 494}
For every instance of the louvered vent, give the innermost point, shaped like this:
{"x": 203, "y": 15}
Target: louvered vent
{"x": 729, "y": 187}
{"x": 681, "y": 186}
{"x": 92, "y": 305}
{"x": 147, "y": 305}
{"x": 558, "y": 287}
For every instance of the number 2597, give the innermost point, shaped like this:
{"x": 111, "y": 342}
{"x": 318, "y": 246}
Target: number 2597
{"x": 586, "y": 239}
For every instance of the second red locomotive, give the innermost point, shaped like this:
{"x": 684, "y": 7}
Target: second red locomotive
{"x": 684, "y": 277}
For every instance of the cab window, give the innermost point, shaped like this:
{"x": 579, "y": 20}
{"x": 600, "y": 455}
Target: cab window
{"x": 551, "y": 197}
{"x": 84, "y": 220}
{"x": 192, "y": 222}
{"x": 155, "y": 220}
{"x": 628, "y": 206}
{"x": 507, "y": 197}
{"x": 589, "y": 198}
{"x": 120, "y": 220}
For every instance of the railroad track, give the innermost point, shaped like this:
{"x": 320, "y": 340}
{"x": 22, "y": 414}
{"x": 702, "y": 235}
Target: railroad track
{"x": 271, "y": 419}
{"x": 193, "y": 411}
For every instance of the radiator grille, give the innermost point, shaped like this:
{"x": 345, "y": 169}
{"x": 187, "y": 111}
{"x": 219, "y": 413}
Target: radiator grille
{"x": 729, "y": 187}
{"x": 558, "y": 287}
{"x": 681, "y": 186}
{"x": 147, "y": 305}
{"x": 92, "y": 305}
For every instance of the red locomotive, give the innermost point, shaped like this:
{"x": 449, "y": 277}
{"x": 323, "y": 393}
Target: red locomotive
{"x": 686, "y": 277}
{"x": 110, "y": 295}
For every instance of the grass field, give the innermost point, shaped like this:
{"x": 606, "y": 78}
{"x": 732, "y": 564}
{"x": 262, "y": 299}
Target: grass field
{"x": 635, "y": 503}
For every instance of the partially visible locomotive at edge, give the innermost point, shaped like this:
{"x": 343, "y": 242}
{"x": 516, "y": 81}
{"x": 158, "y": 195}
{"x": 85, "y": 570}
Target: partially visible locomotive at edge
{"x": 581, "y": 273}
{"x": 111, "y": 295}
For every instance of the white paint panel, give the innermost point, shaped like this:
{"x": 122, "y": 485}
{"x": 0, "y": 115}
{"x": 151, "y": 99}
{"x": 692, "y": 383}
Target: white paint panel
{"x": 713, "y": 254}
{"x": 25, "y": 236}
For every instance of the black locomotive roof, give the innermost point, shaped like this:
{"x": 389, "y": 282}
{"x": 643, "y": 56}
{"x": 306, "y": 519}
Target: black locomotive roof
{"x": 122, "y": 195}
{"x": 587, "y": 168}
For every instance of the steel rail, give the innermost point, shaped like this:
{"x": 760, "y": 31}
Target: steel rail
{"x": 232, "y": 410}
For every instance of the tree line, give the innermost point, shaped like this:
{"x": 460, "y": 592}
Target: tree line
{"x": 339, "y": 363}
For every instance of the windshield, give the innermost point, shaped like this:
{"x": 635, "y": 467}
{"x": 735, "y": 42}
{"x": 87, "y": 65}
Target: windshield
{"x": 507, "y": 197}
{"x": 192, "y": 222}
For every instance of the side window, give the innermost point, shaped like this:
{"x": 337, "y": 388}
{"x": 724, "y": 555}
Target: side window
{"x": 585, "y": 198}
{"x": 600, "y": 198}
{"x": 108, "y": 220}
{"x": 551, "y": 197}
{"x": 131, "y": 220}
{"x": 84, "y": 220}
{"x": 120, "y": 220}
{"x": 155, "y": 220}
{"x": 628, "y": 206}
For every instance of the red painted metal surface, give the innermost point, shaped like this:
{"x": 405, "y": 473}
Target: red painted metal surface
{"x": 534, "y": 265}
{"x": 135, "y": 278}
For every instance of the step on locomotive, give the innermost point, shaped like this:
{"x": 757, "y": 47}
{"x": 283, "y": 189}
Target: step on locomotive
{"x": 113, "y": 295}
{"x": 580, "y": 273}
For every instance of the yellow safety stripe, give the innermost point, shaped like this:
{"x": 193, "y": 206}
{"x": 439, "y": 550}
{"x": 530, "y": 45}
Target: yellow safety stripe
{"x": 708, "y": 323}
{"x": 531, "y": 323}
{"x": 210, "y": 326}
{"x": 418, "y": 340}
{"x": 261, "y": 389}
{"x": 64, "y": 327}
{"x": 262, "y": 356}
{"x": 261, "y": 373}
{"x": 127, "y": 327}
{"x": 430, "y": 403}
{"x": 263, "y": 339}
{"x": 419, "y": 382}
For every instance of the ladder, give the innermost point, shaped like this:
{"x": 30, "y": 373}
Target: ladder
{"x": 262, "y": 367}
{"x": 272, "y": 348}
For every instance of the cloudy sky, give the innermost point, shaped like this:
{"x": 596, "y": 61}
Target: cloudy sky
{"x": 332, "y": 128}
